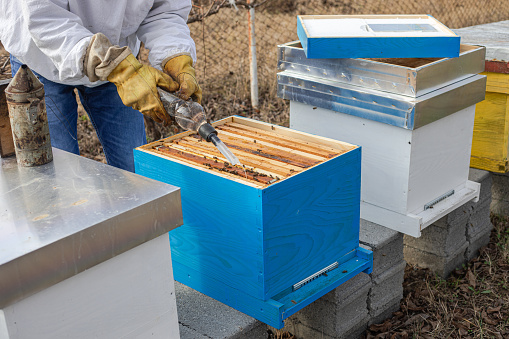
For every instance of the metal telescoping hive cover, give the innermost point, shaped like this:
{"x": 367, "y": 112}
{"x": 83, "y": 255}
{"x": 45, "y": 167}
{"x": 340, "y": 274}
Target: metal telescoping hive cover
{"x": 397, "y": 110}
{"x": 405, "y": 76}
{"x": 407, "y": 93}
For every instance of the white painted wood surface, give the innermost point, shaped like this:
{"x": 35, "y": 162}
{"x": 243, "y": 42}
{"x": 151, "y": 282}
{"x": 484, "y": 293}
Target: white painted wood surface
{"x": 413, "y": 224}
{"x": 440, "y": 158}
{"x": 386, "y": 151}
{"x": 402, "y": 170}
{"x": 359, "y": 27}
{"x": 129, "y": 296}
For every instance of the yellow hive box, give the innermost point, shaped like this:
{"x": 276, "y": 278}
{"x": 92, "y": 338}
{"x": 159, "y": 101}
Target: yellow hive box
{"x": 490, "y": 144}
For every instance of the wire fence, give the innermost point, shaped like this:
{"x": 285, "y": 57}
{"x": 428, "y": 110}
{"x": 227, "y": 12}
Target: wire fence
{"x": 220, "y": 31}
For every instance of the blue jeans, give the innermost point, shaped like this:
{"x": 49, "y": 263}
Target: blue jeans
{"x": 120, "y": 128}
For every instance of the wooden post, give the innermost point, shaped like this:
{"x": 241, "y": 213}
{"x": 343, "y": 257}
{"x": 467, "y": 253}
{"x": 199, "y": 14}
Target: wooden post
{"x": 252, "y": 56}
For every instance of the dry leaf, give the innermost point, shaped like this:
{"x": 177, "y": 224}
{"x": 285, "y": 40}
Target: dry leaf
{"x": 464, "y": 287}
{"x": 416, "y": 318}
{"x": 462, "y": 331}
{"x": 471, "y": 278}
{"x": 494, "y": 309}
{"x": 426, "y": 328}
{"x": 381, "y": 327}
{"x": 487, "y": 319}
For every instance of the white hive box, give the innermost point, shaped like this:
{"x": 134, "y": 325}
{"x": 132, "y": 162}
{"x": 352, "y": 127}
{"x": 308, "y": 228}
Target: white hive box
{"x": 413, "y": 118}
{"x": 85, "y": 251}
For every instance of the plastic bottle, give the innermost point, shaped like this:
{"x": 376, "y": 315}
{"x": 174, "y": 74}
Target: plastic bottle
{"x": 191, "y": 117}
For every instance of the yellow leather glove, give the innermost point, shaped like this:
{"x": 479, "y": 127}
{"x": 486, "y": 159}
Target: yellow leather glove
{"x": 181, "y": 70}
{"x": 137, "y": 86}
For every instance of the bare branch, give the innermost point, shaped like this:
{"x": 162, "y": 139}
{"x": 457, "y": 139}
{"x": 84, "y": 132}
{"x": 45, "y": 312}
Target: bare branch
{"x": 217, "y": 5}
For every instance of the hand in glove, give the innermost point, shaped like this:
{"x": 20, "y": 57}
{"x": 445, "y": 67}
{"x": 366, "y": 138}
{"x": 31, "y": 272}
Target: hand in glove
{"x": 137, "y": 86}
{"x": 181, "y": 70}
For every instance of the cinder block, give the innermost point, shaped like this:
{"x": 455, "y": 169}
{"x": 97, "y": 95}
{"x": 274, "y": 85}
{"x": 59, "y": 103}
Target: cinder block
{"x": 475, "y": 243}
{"x": 332, "y": 319}
{"x": 386, "y": 244}
{"x": 385, "y": 312}
{"x": 481, "y": 207}
{"x": 486, "y": 181}
{"x": 387, "y": 288}
{"x": 500, "y": 193}
{"x": 442, "y": 239}
{"x": 441, "y": 265}
{"x": 351, "y": 288}
{"x": 442, "y": 246}
{"x": 500, "y": 207}
{"x": 459, "y": 216}
{"x": 201, "y": 316}
{"x": 300, "y": 331}
{"x": 340, "y": 312}
{"x": 479, "y": 222}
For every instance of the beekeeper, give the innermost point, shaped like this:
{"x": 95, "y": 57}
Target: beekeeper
{"x": 90, "y": 46}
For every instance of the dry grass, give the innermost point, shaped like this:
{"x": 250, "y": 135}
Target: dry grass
{"x": 472, "y": 303}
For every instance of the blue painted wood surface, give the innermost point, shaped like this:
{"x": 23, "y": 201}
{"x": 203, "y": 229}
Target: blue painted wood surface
{"x": 310, "y": 220}
{"x": 222, "y": 233}
{"x": 244, "y": 245}
{"x": 378, "y": 47}
{"x": 274, "y": 311}
{"x": 262, "y": 241}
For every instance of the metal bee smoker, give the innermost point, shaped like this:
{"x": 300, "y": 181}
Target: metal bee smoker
{"x": 29, "y": 121}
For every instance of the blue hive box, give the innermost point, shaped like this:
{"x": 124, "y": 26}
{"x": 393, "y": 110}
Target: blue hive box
{"x": 269, "y": 240}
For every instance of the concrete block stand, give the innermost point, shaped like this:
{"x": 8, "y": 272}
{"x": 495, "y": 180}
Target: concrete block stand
{"x": 345, "y": 312}
{"x": 388, "y": 269}
{"x": 201, "y": 317}
{"x": 342, "y": 313}
{"x": 500, "y": 193}
{"x": 456, "y": 238}
{"x": 348, "y": 310}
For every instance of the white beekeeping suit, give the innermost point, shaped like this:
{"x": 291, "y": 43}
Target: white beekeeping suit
{"x": 59, "y": 38}
{"x": 88, "y": 47}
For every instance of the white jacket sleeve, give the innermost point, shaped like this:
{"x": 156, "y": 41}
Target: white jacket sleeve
{"x": 59, "y": 34}
{"x": 165, "y": 32}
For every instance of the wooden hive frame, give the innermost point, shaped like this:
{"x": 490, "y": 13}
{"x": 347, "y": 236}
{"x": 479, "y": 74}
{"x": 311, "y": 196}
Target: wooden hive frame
{"x": 266, "y": 153}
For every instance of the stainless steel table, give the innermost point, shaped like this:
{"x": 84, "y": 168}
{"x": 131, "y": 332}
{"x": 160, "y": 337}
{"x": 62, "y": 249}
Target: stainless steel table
{"x": 65, "y": 217}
